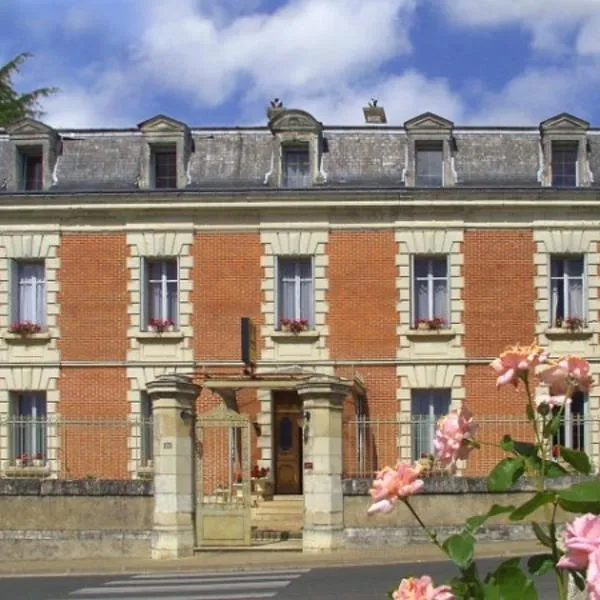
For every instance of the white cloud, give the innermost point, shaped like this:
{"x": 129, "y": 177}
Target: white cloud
{"x": 551, "y": 22}
{"x": 312, "y": 45}
{"x": 403, "y": 97}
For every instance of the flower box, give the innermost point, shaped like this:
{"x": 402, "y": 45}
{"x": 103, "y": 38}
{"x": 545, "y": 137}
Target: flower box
{"x": 24, "y": 328}
{"x": 161, "y": 325}
{"x": 294, "y": 325}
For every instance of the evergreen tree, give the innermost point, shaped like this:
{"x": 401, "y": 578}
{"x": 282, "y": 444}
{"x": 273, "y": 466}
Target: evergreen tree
{"x": 13, "y": 105}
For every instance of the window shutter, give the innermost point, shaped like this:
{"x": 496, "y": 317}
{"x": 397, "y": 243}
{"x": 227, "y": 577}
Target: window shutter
{"x": 413, "y": 292}
{"x": 144, "y": 295}
{"x": 14, "y": 291}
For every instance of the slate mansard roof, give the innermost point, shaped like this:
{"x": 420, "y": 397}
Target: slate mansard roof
{"x": 369, "y": 156}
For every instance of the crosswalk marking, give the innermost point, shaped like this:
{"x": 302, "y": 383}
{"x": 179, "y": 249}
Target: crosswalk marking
{"x": 238, "y": 573}
{"x": 214, "y": 585}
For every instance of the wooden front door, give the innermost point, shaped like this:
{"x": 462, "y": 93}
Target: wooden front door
{"x": 288, "y": 443}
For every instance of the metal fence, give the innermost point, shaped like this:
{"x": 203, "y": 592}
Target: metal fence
{"x": 76, "y": 448}
{"x": 370, "y": 444}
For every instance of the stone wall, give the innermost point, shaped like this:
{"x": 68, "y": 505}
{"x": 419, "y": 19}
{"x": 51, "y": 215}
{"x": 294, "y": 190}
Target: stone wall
{"x": 444, "y": 505}
{"x": 51, "y": 519}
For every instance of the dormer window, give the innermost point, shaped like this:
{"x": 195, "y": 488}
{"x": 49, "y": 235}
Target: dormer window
{"x": 564, "y": 164}
{"x": 168, "y": 147}
{"x": 429, "y": 159}
{"x": 164, "y": 166}
{"x": 296, "y": 167}
{"x": 32, "y": 170}
{"x": 564, "y": 159}
{"x": 430, "y": 149}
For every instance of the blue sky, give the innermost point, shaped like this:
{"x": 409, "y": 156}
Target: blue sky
{"x": 219, "y": 62}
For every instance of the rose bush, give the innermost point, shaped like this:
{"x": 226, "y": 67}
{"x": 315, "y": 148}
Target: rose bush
{"x": 539, "y": 459}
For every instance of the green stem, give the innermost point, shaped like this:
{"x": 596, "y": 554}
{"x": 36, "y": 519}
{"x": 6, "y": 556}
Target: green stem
{"x": 432, "y": 535}
{"x": 556, "y": 555}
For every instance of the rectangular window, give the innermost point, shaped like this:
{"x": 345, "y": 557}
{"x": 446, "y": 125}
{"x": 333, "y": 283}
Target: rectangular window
{"x": 573, "y": 431}
{"x": 564, "y": 164}
{"x": 28, "y": 430}
{"x": 164, "y": 161}
{"x": 296, "y": 167}
{"x": 29, "y": 292}
{"x": 566, "y": 288}
{"x": 427, "y": 407}
{"x": 295, "y": 289}
{"x": 162, "y": 292}
{"x": 147, "y": 440}
{"x": 31, "y": 168}
{"x": 361, "y": 434}
{"x": 429, "y": 159}
{"x": 430, "y": 298}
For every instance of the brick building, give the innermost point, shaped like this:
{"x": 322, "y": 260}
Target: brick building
{"x": 358, "y": 232}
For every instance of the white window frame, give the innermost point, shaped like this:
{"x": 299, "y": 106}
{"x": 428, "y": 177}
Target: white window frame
{"x": 298, "y": 280}
{"x": 558, "y": 142}
{"x": 431, "y": 279}
{"x": 424, "y": 148}
{"x": 34, "y": 424}
{"x": 295, "y": 149}
{"x": 146, "y": 431}
{"x": 430, "y": 420}
{"x": 566, "y": 426}
{"x": 164, "y": 282}
{"x": 565, "y": 286}
{"x": 18, "y": 287}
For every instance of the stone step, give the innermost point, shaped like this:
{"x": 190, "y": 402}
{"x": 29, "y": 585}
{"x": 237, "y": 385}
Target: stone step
{"x": 268, "y": 508}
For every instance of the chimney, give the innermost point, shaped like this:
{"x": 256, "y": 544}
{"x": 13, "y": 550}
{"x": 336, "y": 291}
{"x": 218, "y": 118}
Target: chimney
{"x": 374, "y": 114}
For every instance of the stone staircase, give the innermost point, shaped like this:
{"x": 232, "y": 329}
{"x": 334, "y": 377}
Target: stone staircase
{"x": 281, "y": 518}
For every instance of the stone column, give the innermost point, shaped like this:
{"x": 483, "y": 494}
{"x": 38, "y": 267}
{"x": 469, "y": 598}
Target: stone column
{"x": 173, "y": 399}
{"x": 323, "y": 398}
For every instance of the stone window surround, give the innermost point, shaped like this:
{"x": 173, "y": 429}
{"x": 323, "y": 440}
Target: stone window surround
{"x": 37, "y": 247}
{"x": 429, "y": 127}
{"x": 432, "y": 242}
{"x": 164, "y": 131}
{"x": 556, "y": 242}
{"x": 152, "y": 245}
{"x": 293, "y": 128}
{"x": 34, "y": 379}
{"x": 565, "y": 128}
{"x": 424, "y": 376}
{"x": 29, "y": 133}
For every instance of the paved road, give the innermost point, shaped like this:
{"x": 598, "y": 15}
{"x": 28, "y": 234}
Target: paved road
{"x": 356, "y": 583}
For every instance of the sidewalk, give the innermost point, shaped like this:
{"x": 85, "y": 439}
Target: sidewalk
{"x": 253, "y": 559}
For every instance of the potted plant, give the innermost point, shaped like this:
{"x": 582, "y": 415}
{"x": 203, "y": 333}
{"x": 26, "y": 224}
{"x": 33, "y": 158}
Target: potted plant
{"x": 573, "y": 324}
{"x": 38, "y": 459}
{"x": 24, "y": 328}
{"x": 22, "y": 460}
{"x": 434, "y": 324}
{"x": 294, "y": 325}
{"x": 160, "y": 325}
{"x": 261, "y": 484}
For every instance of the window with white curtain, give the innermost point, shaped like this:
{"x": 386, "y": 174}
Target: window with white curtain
{"x": 162, "y": 291}
{"x": 296, "y": 167}
{"x": 427, "y": 407}
{"x": 28, "y": 425}
{"x": 295, "y": 289}
{"x": 29, "y": 292}
{"x": 567, "y": 287}
{"x": 574, "y": 427}
{"x": 430, "y": 298}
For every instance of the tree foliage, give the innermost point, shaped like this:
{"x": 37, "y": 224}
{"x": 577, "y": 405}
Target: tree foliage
{"x": 13, "y": 105}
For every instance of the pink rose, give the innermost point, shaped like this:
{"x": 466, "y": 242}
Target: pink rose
{"x": 516, "y": 362}
{"x": 452, "y": 436}
{"x": 568, "y": 372}
{"x": 412, "y": 588}
{"x": 582, "y": 537}
{"x": 593, "y": 575}
{"x": 391, "y": 484}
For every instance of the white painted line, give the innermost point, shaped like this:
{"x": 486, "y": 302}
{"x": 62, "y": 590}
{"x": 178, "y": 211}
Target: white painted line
{"x": 232, "y": 578}
{"x": 245, "y": 596}
{"x": 210, "y": 587}
{"x": 176, "y": 574}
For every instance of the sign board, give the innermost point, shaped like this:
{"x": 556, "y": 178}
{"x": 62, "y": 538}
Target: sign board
{"x": 248, "y": 335}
